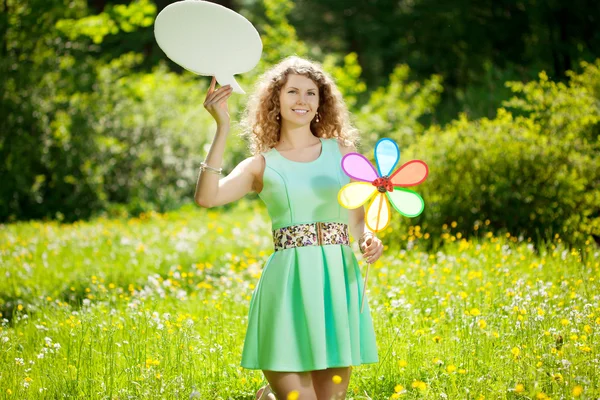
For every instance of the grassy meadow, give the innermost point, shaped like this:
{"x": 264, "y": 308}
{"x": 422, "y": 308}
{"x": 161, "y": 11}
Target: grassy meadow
{"x": 156, "y": 307}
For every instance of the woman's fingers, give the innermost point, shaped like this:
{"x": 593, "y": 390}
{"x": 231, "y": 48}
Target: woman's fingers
{"x": 373, "y": 257}
{"x": 220, "y": 96}
{"x": 213, "y": 82}
{"x": 214, "y": 96}
{"x": 372, "y": 250}
{"x": 211, "y": 89}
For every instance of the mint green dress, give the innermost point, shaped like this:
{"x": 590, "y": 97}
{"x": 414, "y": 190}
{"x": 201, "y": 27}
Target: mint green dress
{"x": 304, "y": 312}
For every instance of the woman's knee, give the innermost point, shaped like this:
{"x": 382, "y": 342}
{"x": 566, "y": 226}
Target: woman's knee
{"x": 331, "y": 383}
{"x": 284, "y": 383}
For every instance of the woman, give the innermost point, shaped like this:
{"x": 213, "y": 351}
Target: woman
{"x": 305, "y": 329}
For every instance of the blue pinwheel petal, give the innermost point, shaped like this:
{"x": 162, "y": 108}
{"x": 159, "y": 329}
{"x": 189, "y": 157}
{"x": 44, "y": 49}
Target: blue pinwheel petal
{"x": 387, "y": 155}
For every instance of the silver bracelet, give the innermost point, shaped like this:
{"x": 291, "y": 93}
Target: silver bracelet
{"x": 206, "y": 167}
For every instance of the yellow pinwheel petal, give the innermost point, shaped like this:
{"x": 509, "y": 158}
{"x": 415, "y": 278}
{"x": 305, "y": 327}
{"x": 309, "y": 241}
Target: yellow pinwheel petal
{"x": 355, "y": 194}
{"x": 378, "y": 213}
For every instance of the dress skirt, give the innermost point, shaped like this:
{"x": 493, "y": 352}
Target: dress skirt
{"x": 305, "y": 314}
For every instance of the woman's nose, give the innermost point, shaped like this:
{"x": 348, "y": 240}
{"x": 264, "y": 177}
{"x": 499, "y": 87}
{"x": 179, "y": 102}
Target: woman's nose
{"x": 303, "y": 99}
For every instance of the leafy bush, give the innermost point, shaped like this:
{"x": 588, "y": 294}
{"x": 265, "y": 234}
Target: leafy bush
{"x": 535, "y": 175}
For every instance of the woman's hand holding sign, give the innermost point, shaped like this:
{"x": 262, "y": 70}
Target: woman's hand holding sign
{"x": 216, "y": 102}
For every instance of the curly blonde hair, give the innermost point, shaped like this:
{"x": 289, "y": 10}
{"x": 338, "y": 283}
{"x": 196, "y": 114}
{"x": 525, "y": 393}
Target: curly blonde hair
{"x": 259, "y": 121}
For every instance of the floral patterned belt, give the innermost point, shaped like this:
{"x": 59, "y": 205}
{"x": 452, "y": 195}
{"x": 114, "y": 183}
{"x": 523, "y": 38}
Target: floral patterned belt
{"x": 313, "y": 234}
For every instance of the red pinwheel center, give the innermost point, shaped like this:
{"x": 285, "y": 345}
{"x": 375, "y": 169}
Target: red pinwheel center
{"x": 383, "y": 184}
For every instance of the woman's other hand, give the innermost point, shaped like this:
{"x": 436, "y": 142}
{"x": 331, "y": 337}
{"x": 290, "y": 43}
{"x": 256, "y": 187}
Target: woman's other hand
{"x": 372, "y": 249}
{"x": 216, "y": 102}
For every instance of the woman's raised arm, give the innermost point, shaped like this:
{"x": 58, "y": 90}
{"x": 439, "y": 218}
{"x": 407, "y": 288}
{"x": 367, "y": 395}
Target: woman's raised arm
{"x": 231, "y": 188}
{"x": 210, "y": 190}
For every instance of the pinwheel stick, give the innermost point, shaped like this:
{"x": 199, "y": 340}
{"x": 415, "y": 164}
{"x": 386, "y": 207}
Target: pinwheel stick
{"x": 362, "y": 301}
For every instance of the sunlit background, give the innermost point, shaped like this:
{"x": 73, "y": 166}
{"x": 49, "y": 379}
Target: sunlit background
{"x": 114, "y": 284}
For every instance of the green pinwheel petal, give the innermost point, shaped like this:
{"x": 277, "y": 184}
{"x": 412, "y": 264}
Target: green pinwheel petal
{"x": 406, "y": 202}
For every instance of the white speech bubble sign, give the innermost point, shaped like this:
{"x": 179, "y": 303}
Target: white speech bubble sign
{"x": 208, "y": 39}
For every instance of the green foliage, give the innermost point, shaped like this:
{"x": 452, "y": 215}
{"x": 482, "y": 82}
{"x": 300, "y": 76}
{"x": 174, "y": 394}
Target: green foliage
{"x": 30, "y": 61}
{"x": 278, "y": 36}
{"x": 346, "y": 77}
{"x": 475, "y": 51}
{"x": 86, "y": 126}
{"x": 395, "y": 110}
{"x": 112, "y": 20}
{"x": 570, "y": 111}
{"x": 535, "y": 176}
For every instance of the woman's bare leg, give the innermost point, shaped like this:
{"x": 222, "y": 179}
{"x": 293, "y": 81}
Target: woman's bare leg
{"x": 282, "y": 383}
{"x": 324, "y": 386}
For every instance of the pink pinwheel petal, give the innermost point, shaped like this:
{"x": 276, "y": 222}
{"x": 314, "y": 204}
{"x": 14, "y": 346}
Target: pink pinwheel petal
{"x": 410, "y": 174}
{"x": 357, "y": 167}
{"x": 355, "y": 194}
{"x": 378, "y": 213}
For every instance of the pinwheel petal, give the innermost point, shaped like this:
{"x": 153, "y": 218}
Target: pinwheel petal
{"x": 406, "y": 202}
{"x": 377, "y": 216}
{"x": 410, "y": 174}
{"x": 355, "y": 194}
{"x": 357, "y": 166}
{"x": 387, "y": 155}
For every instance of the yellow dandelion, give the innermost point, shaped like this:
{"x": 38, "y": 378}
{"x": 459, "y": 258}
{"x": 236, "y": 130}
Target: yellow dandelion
{"x": 516, "y": 351}
{"x": 395, "y": 396}
{"x": 336, "y": 379}
{"x": 564, "y": 322}
{"x": 577, "y": 390}
{"x": 482, "y": 323}
{"x": 558, "y": 377}
{"x": 519, "y": 388}
{"x": 419, "y": 385}
{"x": 462, "y": 371}
{"x": 398, "y": 388}
{"x": 402, "y": 363}
{"x": 541, "y": 396}
{"x": 475, "y": 312}
{"x": 20, "y": 307}
{"x": 451, "y": 368}
{"x": 293, "y": 395}
{"x": 437, "y": 339}
{"x": 587, "y": 329}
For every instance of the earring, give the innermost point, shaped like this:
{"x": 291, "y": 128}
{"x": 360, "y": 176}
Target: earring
{"x": 277, "y": 117}
{"x": 317, "y": 116}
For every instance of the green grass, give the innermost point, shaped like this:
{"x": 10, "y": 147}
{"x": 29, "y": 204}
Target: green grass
{"x": 156, "y": 307}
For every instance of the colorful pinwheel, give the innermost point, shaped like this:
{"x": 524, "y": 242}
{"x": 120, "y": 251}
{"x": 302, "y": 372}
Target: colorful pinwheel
{"x": 387, "y": 187}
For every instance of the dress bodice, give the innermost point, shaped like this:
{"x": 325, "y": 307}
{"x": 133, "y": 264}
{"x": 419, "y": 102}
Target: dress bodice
{"x": 303, "y": 192}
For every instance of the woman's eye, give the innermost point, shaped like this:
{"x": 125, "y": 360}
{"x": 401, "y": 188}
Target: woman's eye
{"x": 313, "y": 93}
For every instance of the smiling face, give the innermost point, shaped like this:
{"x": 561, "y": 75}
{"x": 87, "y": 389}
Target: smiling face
{"x": 299, "y": 100}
